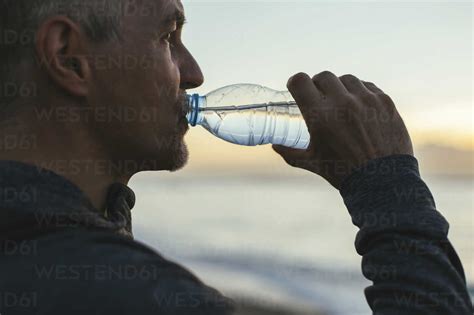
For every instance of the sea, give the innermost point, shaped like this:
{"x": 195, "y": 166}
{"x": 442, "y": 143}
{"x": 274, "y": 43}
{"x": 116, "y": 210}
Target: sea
{"x": 284, "y": 242}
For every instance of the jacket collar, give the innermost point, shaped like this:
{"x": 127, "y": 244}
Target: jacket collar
{"x": 34, "y": 199}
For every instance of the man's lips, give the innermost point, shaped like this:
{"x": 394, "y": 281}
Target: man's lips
{"x": 184, "y": 112}
{"x": 183, "y": 105}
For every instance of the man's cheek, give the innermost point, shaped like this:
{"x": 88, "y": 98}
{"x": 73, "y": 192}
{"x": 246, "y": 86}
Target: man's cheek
{"x": 167, "y": 124}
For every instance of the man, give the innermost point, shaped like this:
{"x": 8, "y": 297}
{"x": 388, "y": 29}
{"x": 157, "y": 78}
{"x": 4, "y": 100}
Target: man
{"x": 105, "y": 101}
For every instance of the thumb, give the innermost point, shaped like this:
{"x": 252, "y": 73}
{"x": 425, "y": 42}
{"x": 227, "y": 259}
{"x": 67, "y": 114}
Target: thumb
{"x": 294, "y": 157}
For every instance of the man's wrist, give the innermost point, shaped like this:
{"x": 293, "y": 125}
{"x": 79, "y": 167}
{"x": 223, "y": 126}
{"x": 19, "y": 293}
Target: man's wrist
{"x": 383, "y": 168}
{"x": 386, "y": 183}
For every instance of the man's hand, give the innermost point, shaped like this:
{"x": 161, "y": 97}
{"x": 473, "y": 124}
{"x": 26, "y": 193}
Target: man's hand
{"x": 350, "y": 122}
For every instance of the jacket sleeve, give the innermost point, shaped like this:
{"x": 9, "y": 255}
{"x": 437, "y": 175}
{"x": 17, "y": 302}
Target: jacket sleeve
{"x": 403, "y": 241}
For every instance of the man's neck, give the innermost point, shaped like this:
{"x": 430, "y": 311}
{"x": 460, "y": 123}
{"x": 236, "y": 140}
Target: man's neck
{"x": 70, "y": 150}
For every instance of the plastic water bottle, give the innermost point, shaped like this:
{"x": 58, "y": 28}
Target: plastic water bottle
{"x": 249, "y": 114}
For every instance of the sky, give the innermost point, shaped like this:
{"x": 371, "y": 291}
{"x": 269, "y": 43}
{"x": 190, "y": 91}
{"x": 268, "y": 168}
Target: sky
{"x": 418, "y": 53}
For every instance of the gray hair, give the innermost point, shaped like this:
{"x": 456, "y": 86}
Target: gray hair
{"x": 19, "y": 20}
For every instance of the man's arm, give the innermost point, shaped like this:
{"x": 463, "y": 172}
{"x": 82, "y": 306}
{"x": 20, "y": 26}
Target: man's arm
{"x": 403, "y": 241}
{"x": 360, "y": 145}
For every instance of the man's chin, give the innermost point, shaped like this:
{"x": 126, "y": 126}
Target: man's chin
{"x": 179, "y": 158}
{"x": 169, "y": 153}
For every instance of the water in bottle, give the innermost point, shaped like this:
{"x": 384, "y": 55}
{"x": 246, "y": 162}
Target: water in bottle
{"x": 249, "y": 114}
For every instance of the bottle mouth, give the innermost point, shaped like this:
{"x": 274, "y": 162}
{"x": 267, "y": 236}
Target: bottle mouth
{"x": 195, "y": 104}
{"x": 193, "y": 109}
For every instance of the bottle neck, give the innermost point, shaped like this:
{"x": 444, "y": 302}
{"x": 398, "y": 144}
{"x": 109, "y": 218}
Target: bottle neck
{"x": 195, "y": 105}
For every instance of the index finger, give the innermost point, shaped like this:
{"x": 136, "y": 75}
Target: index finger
{"x": 305, "y": 93}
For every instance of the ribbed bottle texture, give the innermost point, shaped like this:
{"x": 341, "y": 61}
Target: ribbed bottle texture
{"x": 249, "y": 114}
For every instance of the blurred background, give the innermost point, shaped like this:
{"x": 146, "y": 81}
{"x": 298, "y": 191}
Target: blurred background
{"x": 279, "y": 238}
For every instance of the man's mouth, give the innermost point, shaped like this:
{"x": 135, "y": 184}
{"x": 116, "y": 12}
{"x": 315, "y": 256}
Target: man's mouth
{"x": 183, "y": 112}
{"x": 183, "y": 105}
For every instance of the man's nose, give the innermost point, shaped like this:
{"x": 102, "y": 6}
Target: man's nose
{"x": 191, "y": 74}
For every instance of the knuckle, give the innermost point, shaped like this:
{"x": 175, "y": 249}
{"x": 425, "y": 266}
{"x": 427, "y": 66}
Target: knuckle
{"x": 386, "y": 99}
{"x": 388, "y": 103}
{"x": 347, "y": 100}
{"x": 323, "y": 76}
{"x": 297, "y": 79}
{"x": 369, "y": 99}
{"x": 374, "y": 88}
{"x": 327, "y": 73}
{"x": 349, "y": 78}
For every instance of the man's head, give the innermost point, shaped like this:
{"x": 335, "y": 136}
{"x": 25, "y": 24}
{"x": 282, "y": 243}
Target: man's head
{"x": 117, "y": 68}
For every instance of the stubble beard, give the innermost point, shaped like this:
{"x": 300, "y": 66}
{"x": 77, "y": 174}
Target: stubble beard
{"x": 180, "y": 156}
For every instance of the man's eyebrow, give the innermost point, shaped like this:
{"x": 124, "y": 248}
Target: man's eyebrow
{"x": 177, "y": 17}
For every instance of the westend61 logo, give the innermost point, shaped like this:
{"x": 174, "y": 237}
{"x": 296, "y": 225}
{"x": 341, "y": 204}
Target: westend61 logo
{"x": 18, "y": 142}
{"x": 23, "y": 194}
{"x": 18, "y": 248}
{"x": 18, "y": 300}
{"x": 23, "y": 89}
{"x": 15, "y": 38}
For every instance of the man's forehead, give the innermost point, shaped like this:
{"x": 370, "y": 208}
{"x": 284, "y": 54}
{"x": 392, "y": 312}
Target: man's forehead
{"x": 161, "y": 11}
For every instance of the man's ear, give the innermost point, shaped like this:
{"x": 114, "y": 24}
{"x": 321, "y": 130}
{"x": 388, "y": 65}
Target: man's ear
{"x": 60, "y": 46}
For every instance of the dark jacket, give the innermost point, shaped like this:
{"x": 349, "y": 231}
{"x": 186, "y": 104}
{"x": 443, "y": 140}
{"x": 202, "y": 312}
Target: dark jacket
{"x": 59, "y": 255}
